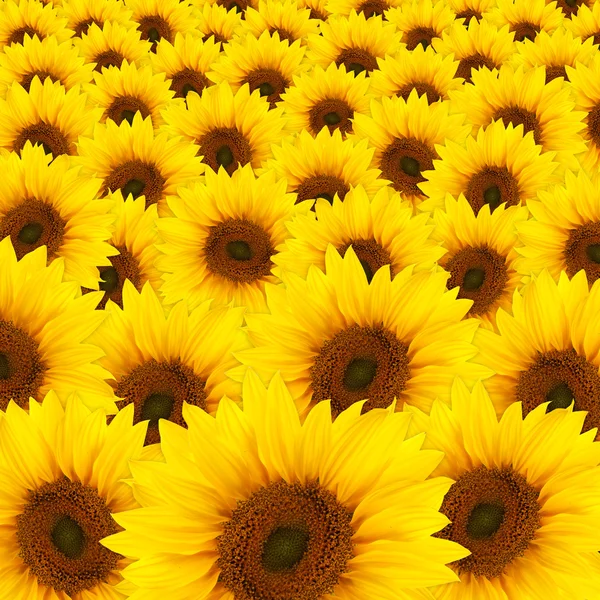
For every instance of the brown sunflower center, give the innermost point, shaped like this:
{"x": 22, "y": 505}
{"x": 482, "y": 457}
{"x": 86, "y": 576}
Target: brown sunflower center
{"x": 332, "y": 113}
{"x": 593, "y": 125}
{"x": 360, "y": 363}
{"x": 582, "y": 251}
{"x": 124, "y": 108}
{"x": 322, "y": 186}
{"x": 270, "y": 83}
{"x": 356, "y": 60}
{"x": 570, "y": 7}
{"x": 525, "y": 30}
{"x": 187, "y": 80}
{"x": 318, "y": 15}
{"x": 371, "y": 8}
{"x": 158, "y": 391}
{"x": 136, "y": 178}
{"x": 402, "y": 163}
{"x": 82, "y": 27}
{"x": 284, "y": 34}
{"x": 561, "y": 377}
{"x": 42, "y": 75}
{"x": 494, "y": 514}
{"x": 154, "y": 28}
{"x": 422, "y": 88}
{"x": 555, "y": 71}
{"x": 226, "y": 148}
{"x": 474, "y": 61}
{"x": 59, "y": 533}
{"x": 519, "y": 116}
{"x": 371, "y": 254}
{"x": 419, "y": 35}
{"x": 48, "y": 136}
{"x": 469, "y": 14}
{"x": 239, "y": 6}
{"x": 18, "y": 35}
{"x": 110, "y": 58}
{"x": 492, "y": 186}
{"x": 481, "y": 274}
{"x": 218, "y": 38}
{"x": 285, "y": 541}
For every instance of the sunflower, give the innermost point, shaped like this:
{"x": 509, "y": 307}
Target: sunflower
{"x": 407, "y": 136}
{"x": 481, "y": 254}
{"x": 56, "y": 510}
{"x": 326, "y": 98}
{"x": 586, "y": 23}
{"x": 420, "y": 21}
{"x": 134, "y": 159}
{"x": 229, "y": 129}
{"x": 217, "y": 22}
{"x": 123, "y": 91}
{"x": 47, "y": 115}
{"x": 185, "y": 62}
{"x": 236, "y": 6}
{"x": 381, "y": 231}
{"x": 497, "y": 166}
{"x": 354, "y": 41}
{"x": 325, "y": 165}
{"x": 524, "y": 499}
{"x": 471, "y": 10}
{"x": 273, "y": 509}
{"x": 222, "y": 239}
{"x": 571, "y": 8}
{"x": 481, "y": 44}
{"x": 423, "y": 69}
{"x": 266, "y": 64}
{"x": 80, "y": 14}
{"x": 318, "y": 10}
{"x": 336, "y": 336}
{"x": 369, "y": 8}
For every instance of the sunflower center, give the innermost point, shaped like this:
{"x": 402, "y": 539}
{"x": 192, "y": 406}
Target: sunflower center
{"x": 593, "y": 125}
{"x": 225, "y": 147}
{"x": 136, "y": 178}
{"x": 269, "y": 82}
{"x": 469, "y": 14}
{"x": 410, "y": 166}
{"x": 332, "y": 113}
{"x": 492, "y": 186}
{"x": 519, "y": 116}
{"x": 41, "y": 75}
{"x": 157, "y": 406}
{"x": 473, "y": 279}
{"x": 109, "y": 280}
{"x": 154, "y": 28}
{"x": 285, "y": 541}
{"x": 560, "y": 396}
{"x": 570, "y": 7}
{"x": 18, "y": 35}
{"x": 239, "y": 250}
{"x": 238, "y": 5}
{"x": 356, "y": 60}
{"x": 187, "y": 80}
{"x": 4, "y": 367}
{"x": 283, "y": 34}
{"x": 555, "y": 71}
{"x": 48, "y": 136}
{"x": 360, "y": 363}
{"x": 494, "y": 513}
{"x": 332, "y": 118}
{"x": 110, "y": 58}
{"x": 474, "y": 61}
{"x": 82, "y": 27}
{"x": 371, "y": 254}
{"x": 371, "y": 8}
{"x": 135, "y": 187}
{"x": 124, "y": 108}
{"x": 30, "y": 233}
{"x": 419, "y": 35}
{"x": 525, "y": 30}
{"x": 422, "y": 88}
{"x": 582, "y": 251}
{"x": 59, "y": 533}
{"x": 493, "y": 197}
{"x": 322, "y": 186}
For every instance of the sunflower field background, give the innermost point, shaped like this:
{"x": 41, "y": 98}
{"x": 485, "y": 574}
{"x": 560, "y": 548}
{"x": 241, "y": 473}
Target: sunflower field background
{"x": 299, "y": 299}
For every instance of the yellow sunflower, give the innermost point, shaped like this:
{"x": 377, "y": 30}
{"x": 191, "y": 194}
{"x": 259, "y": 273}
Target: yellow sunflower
{"x": 237, "y": 6}
{"x": 481, "y": 254}
{"x": 471, "y": 10}
{"x": 43, "y": 321}
{"x": 123, "y": 91}
{"x": 229, "y": 129}
{"x": 336, "y": 336}
{"x": 325, "y": 165}
{"x": 318, "y": 10}
{"x": 354, "y": 41}
{"x": 481, "y": 44}
{"x": 221, "y": 241}
{"x": 369, "y": 8}
{"x": 420, "y": 21}
{"x": 47, "y": 115}
{"x": 326, "y": 98}
{"x": 134, "y": 159}
{"x": 423, "y": 69}
{"x": 80, "y": 14}
{"x": 274, "y": 509}
{"x": 407, "y": 136}
{"x": 381, "y": 231}
{"x": 524, "y": 499}
{"x": 496, "y": 166}
{"x": 586, "y": 23}
{"x": 56, "y": 510}
{"x": 266, "y": 64}
{"x": 217, "y": 22}
{"x": 570, "y": 8}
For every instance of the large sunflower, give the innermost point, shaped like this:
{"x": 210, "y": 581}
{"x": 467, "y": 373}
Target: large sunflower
{"x": 498, "y": 165}
{"x": 524, "y": 500}
{"x": 272, "y": 509}
{"x": 586, "y": 23}
{"x": 217, "y": 22}
{"x": 81, "y": 14}
{"x": 407, "y": 136}
{"x": 48, "y": 115}
{"x": 336, "y": 336}
{"x": 55, "y": 511}
{"x": 381, "y": 231}
{"x": 135, "y": 159}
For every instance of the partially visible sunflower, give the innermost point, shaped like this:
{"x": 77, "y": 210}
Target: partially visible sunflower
{"x": 48, "y": 115}
{"x": 123, "y": 91}
{"x": 266, "y": 64}
{"x": 217, "y": 22}
{"x": 407, "y": 136}
{"x": 382, "y": 231}
{"x": 81, "y": 14}
{"x": 570, "y": 8}
{"x": 236, "y": 6}
{"x": 326, "y": 98}
{"x": 56, "y": 511}
{"x": 481, "y": 254}
{"x": 318, "y": 10}
{"x": 471, "y": 10}
{"x": 497, "y": 166}
{"x": 481, "y": 44}
{"x": 369, "y": 8}
{"x": 229, "y": 129}
{"x": 524, "y": 499}
{"x": 224, "y": 234}
{"x": 586, "y": 23}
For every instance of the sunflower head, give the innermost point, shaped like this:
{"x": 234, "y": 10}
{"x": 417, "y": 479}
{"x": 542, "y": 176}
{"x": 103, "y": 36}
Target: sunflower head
{"x": 215, "y": 21}
{"x": 586, "y": 23}
{"x": 81, "y": 14}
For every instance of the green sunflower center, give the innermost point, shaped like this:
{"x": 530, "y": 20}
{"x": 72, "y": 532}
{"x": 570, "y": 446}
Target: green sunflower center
{"x": 473, "y": 279}
{"x": 571, "y": 3}
{"x": 134, "y": 187}
{"x": 560, "y": 396}
{"x": 46, "y": 147}
{"x": 424, "y": 43}
{"x": 593, "y": 253}
{"x": 492, "y": 196}
{"x": 30, "y": 233}
{"x": 187, "y": 88}
{"x": 367, "y": 269}
{"x": 127, "y": 115}
{"x": 266, "y": 89}
{"x": 239, "y": 250}
{"x": 485, "y": 520}
{"x": 157, "y": 406}
{"x": 332, "y": 118}
{"x": 4, "y": 367}
{"x": 410, "y": 166}
{"x": 327, "y": 197}
{"x": 284, "y": 549}
{"x": 68, "y": 537}
{"x": 224, "y": 156}
{"x": 153, "y": 35}
{"x": 356, "y": 68}
{"x": 109, "y": 280}
{"x": 360, "y": 373}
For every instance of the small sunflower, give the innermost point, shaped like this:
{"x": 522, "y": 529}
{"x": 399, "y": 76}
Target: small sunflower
{"x": 236, "y": 6}
{"x": 318, "y": 10}
{"x": 266, "y": 64}
{"x": 481, "y": 44}
{"x": 56, "y": 510}
{"x": 217, "y": 22}
{"x": 80, "y": 14}
{"x": 183, "y": 359}
{"x": 586, "y": 23}
{"x": 134, "y": 159}
{"x": 471, "y": 10}
{"x": 326, "y": 98}
{"x": 407, "y": 135}
{"x": 325, "y": 165}
{"x": 221, "y": 241}
{"x": 571, "y": 8}
{"x": 420, "y": 21}
{"x": 43, "y": 322}
{"x": 47, "y": 115}
{"x": 369, "y": 8}
{"x": 354, "y": 41}
{"x": 334, "y": 335}
{"x": 280, "y": 510}
{"x": 123, "y": 91}
{"x": 229, "y": 129}
{"x": 382, "y": 231}
{"x": 421, "y": 69}
{"x": 497, "y": 166}
{"x": 481, "y": 254}
{"x": 524, "y": 499}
